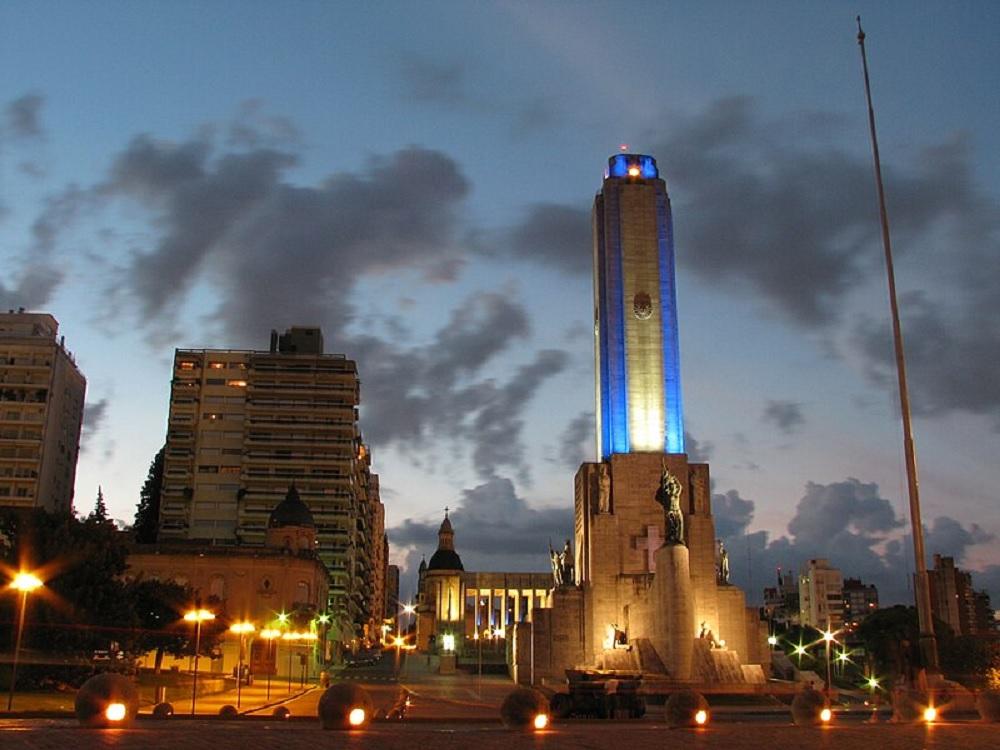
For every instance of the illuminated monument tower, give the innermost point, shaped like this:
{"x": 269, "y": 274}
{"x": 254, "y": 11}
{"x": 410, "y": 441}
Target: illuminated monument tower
{"x": 650, "y": 588}
{"x": 635, "y": 312}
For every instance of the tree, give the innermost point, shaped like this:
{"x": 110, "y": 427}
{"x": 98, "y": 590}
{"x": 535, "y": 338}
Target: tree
{"x": 157, "y": 611}
{"x": 100, "y": 512}
{"x": 147, "y": 513}
{"x": 81, "y": 563}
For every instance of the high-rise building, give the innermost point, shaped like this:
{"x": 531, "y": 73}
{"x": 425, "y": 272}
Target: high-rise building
{"x": 821, "y": 595}
{"x": 954, "y": 601}
{"x": 41, "y": 413}
{"x": 781, "y": 602}
{"x": 859, "y": 601}
{"x": 635, "y": 312}
{"x": 244, "y": 425}
{"x": 392, "y": 603}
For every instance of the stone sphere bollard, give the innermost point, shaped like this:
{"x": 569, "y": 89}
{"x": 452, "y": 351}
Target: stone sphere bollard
{"x": 107, "y": 700}
{"x": 988, "y": 705}
{"x": 229, "y": 712}
{"x": 522, "y": 708}
{"x": 163, "y": 711}
{"x": 281, "y": 712}
{"x": 807, "y": 707}
{"x": 683, "y": 707}
{"x": 345, "y": 706}
{"x": 907, "y": 706}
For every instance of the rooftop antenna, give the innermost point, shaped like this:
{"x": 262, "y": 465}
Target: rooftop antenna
{"x": 928, "y": 644}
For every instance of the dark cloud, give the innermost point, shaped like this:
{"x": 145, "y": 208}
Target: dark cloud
{"x": 253, "y": 127}
{"x": 495, "y": 529}
{"x": 496, "y": 427}
{"x": 412, "y": 395}
{"x": 733, "y": 514}
{"x": 433, "y": 81}
{"x": 450, "y": 84}
{"x": 22, "y": 116}
{"x": 576, "y": 441}
{"x": 697, "y": 451}
{"x": 553, "y": 235}
{"x": 34, "y": 289}
{"x": 850, "y": 506}
{"x": 950, "y": 359}
{"x": 785, "y": 415}
{"x": 94, "y": 414}
{"x": 849, "y": 524}
{"x": 783, "y": 207}
{"x": 266, "y": 242}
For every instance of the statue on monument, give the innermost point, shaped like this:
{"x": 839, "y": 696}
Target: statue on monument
{"x": 603, "y": 489}
{"x": 566, "y": 565}
{"x": 723, "y": 569}
{"x": 669, "y": 496}
{"x": 556, "y": 566}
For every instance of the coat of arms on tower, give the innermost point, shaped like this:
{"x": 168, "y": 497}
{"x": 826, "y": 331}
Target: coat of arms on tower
{"x": 642, "y": 306}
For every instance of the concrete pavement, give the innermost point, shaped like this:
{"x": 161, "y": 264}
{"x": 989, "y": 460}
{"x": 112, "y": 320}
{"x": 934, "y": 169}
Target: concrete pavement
{"x": 241, "y": 734}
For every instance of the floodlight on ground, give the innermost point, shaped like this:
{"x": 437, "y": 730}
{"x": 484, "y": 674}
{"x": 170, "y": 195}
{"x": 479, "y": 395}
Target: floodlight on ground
{"x": 930, "y": 714}
{"x": 825, "y": 715}
{"x": 541, "y": 721}
{"x": 701, "y": 718}
{"x": 356, "y": 717}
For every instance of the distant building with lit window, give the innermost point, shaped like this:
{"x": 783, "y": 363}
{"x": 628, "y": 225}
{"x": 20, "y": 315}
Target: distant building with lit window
{"x": 41, "y": 413}
{"x": 781, "y": 602}
{"x": 860, "y": 600}
{"x": 821, "y": 595}
{"x": 245, "y": 424}
{"x": 954, "y": 601}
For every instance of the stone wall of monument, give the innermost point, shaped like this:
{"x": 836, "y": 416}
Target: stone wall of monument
{"x": 733, "y": 621}
{"x": 552, "y": 642}
{"x": 701, "y": 543}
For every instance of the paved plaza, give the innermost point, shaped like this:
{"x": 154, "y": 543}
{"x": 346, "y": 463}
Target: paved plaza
{"x": 213, "y": 734}
{"x": 462, "y": 711}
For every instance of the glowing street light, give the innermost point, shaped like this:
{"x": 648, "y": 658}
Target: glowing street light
{"x": 243, "y": 629}
{"x": 799, "y": 652}
{"x": 197, "y": 616}
{"x": 24, "y": 583}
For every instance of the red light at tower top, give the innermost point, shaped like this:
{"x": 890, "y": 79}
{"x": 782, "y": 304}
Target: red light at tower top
{"x": 623, "y": 147}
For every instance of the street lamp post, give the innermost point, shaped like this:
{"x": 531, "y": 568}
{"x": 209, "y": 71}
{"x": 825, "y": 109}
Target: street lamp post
{"x": 197, "y": 616}
{"x": 269, "y": 635}
{"x": 828, "y": 639}
{"x": 25, "y": 583}
{"x": 408, "y": 609}
{"x": 242, "y": 629}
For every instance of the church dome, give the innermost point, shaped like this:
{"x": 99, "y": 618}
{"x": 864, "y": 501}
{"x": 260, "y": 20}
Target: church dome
{"x": 291, "y": 512}
{"x": 445, "y": 559}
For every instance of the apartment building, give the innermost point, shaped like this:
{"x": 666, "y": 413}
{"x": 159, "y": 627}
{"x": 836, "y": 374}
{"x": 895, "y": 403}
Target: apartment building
{"x": 821, "y": 595}
{"x": 41, "y": 413}
{"x": 243, "y": 426}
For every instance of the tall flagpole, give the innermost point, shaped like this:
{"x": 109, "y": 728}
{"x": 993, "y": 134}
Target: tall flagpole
{"x": 928, "y": 644}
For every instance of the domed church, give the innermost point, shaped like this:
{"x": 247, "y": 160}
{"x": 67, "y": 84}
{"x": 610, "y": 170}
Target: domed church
{"x": 460, "y": 603}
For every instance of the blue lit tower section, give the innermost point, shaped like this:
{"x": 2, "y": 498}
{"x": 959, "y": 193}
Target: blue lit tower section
{"x": 635, "y": 312}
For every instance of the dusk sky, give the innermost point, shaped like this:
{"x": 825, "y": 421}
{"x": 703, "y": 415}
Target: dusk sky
{"x": 416, "y": 179}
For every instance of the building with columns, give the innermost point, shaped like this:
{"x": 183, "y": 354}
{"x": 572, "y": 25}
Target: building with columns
{"x": 471, "y": 605}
